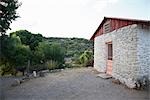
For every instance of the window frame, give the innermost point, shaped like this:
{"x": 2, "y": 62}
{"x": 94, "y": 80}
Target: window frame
{"x": 109, "y": 51}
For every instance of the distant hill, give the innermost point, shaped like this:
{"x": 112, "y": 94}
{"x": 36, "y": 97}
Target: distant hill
{"x": 74, "y": 46}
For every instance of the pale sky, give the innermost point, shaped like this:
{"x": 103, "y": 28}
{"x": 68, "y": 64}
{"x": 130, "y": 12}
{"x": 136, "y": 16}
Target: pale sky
{"x": 74, "y": 18}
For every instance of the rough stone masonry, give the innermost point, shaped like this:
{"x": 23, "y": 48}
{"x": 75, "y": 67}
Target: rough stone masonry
{"x": 131, "y": 53}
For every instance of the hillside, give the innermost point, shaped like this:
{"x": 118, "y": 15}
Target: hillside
{"x": 23, "y": 48}
{"x": 74, "y": 46}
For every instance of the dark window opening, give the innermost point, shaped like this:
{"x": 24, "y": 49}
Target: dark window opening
{"x": 110, "y": 52}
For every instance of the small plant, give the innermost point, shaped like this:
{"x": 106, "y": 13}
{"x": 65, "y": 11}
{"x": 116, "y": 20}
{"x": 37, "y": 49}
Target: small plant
{"x": 51, "y": 64}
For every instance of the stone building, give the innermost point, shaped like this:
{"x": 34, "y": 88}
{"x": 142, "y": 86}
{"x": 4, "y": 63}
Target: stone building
{"x": 122, "y": 49}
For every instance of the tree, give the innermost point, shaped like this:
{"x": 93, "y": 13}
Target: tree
{"x": 4, "y": 42}
{"x": 7, "y": 13}
{"x": 50, "y": 51}
{"x": 28, "y": 38}
{"x": 15, "y": 54}
{"x": 57, "y": 53}
{"x": 21, "y": 56}
{"x": 39, "y": 53}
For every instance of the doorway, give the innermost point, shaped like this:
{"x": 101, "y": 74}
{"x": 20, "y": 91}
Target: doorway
{"x": 109, "y": 58}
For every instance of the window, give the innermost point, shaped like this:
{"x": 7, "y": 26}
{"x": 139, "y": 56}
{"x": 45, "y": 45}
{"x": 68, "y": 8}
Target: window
{"x": 106, "y": 27}
{"x": 110, "y": 52}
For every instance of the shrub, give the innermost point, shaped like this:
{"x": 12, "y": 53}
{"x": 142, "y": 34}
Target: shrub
{"x": 7, "y": 69}
{"x": 51, "y": 64}
{"x": 50, "y": 55}
{"x": 86, "y": 58}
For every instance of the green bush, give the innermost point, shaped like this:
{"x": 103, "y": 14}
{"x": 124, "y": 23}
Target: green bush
{"x": 51, "y": 64}
{"x": 85, "y": 58}
{"x": 7, "y": 69}
{"x": 52, "y": 55}
{"x": 46, "y": 51}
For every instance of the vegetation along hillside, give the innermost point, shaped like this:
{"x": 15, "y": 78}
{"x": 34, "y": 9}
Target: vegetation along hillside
{"x": 24, "y": 51}
{"x": 74, "y": 46}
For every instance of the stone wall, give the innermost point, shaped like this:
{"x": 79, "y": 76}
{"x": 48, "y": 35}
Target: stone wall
{"x": 100, "y": 54}
{"x": 127, "y": 62}
{"x": 143, "y": 53}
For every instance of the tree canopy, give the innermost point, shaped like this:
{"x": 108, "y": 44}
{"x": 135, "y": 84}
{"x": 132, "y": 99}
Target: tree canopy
{"x": 8, "y": 13}
{"x": 28, "y": 38}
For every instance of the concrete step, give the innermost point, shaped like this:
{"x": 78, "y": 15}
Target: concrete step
{"x": 104, "y": 76}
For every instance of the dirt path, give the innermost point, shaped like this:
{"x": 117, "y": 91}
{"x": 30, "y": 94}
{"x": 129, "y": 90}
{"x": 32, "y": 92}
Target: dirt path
{"x": 72, "y": 84}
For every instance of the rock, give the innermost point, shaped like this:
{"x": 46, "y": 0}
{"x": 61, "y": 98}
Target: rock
{"x": 25, "y": 78}
{"x": 116, "y": 81}
{"x": 142, "y": 83}
{"x": 41, "y": 74}
{"x": 131, "y": 84}
{"x": 55, "y": 70}
{"x": 16, "y": 82}
{"x": 34, "y": 74}
{"x": 22, "y": 81}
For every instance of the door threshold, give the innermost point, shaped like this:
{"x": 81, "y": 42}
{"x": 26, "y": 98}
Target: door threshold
{"x": 104, "y": 76}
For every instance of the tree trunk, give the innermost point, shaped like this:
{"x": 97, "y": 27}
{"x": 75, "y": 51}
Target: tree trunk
{"x": 23, "y": 72}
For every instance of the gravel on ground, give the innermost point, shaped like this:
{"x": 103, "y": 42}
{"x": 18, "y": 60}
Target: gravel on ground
{"x": 70, "y": 84}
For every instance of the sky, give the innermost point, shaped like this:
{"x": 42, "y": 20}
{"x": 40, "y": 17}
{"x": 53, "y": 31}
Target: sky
{"x": 74, "y": 18}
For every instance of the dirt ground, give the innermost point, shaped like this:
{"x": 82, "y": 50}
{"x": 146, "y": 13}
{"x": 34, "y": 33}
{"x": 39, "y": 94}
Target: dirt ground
{"x": 70, "y": 84}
